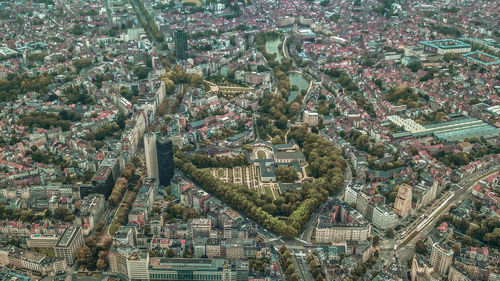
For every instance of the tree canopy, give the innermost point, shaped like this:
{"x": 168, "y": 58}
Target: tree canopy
{"x": 286, "y": 174}
{"x": 47, "y": 120}
{"x": 326, "y": 164}
{"x": 16, "y": 85}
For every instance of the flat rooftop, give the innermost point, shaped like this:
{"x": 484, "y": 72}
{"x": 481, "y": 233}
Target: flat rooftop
{"x": 102, "y": 173}
{"x": 67, "y": 236}
{"x": 186, "y": 264}
{"x": 482, "y": 58}
{"x": 459, "y": 130}
{"x": 446, "y": 44}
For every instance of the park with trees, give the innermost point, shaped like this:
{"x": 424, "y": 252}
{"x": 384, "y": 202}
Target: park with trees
{"x": 15, "y": 85}
{"x": 402, "y": 95}
{"x": 45, "y": 120}
{"x": 289, "y": 212}
{"x": 274, "y": 109}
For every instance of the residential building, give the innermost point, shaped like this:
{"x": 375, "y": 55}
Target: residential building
{"x": 200, "y": 227}
{"x": 311, "y": 118}
{"x": 384, "y": 218}
{"x": 32, "y": 262}
{"x": 420, "y": 269}
{"x": 441, "y": 258}
{"x": 212, "y": 248}
{"x": 126, "y": 236}
{"x": 91, "y": 209}
{"x": 70, "y": 241}
{"x": 341, "y": 223}
{"x": 332, "y": 252}
{"x": 362, "y": 248}
{"x": 351, "y": 194}
{"x": 179, "y": 185}
{"x": 364, "y": 204}
{"x": 199, "y": 247}
{"x": 402, "y": 204}
{"x": 457, "y": 274}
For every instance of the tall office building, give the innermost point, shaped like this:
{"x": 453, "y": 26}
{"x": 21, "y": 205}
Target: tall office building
{"x": 181, "y": 45}
{"x": 402, "y": 205}
{"x": 441, "y": 258}
{"x": 165, "y": 156}
{"x": 70, "y": 241}
{"x": 151, "y": 155}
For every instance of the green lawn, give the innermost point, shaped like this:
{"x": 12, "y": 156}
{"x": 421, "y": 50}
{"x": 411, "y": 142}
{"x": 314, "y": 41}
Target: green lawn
{"x": 261, "y": 154}
{"x": 114, "y": 224}
{"x": 244, "y": 175}
{"x": 196, "y": 2}
{"x": 250, "y": 171}
{"x": 220, "y": 173}
{"x": 230, "y": 175}
{"x": 269, "y": 192}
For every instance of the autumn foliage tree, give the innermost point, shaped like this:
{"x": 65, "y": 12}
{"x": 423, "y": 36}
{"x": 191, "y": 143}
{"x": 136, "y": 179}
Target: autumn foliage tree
{"x": 15, "y": 85}
{"x": 94, "y": 256}
{"x": 84, "y": 256}
{"x": 285, "y": 259}
{"x": 118, "y": 190}
{"x": 129, "y": 170}
{"x": 91, "y": 243}
{"x": 102, "y": 262}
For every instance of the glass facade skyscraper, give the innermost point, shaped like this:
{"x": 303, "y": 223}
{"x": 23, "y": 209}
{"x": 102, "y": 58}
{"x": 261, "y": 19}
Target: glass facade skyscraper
{"x": 165, "y": 155}
{"x": 181, "y": 45}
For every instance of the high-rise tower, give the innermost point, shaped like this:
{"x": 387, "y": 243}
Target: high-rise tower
{"x": 402, "y": 204}
{"x": 441, "y": 258}
{"x": 165, "y": 155}
{"x": 181, "y": 45}
{"x": 151, "y": 155}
